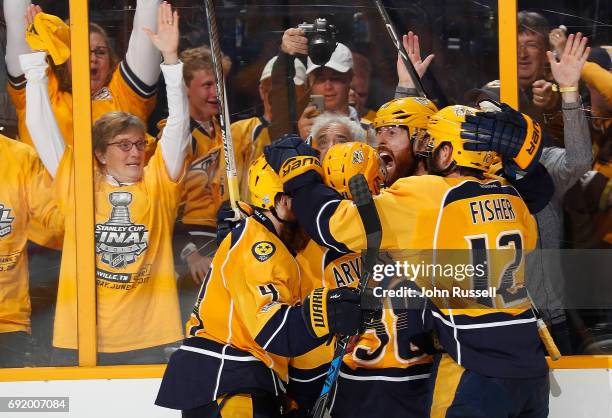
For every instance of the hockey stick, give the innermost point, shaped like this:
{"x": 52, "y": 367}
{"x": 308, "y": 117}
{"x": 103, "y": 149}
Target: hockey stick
{"x": 400, "y": 48}
{"x": 371, "y": 223}
{"x": 545, "y": 337}
{"x": 226, "y": 135}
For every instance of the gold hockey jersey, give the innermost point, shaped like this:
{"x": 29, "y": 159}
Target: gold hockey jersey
{"x": 382, "y": 347}
{"x": 490, "y": 223}
{"x": 124, "y": 92}
{"x": 204, "y": 187}
{"x": 245, "y": 324}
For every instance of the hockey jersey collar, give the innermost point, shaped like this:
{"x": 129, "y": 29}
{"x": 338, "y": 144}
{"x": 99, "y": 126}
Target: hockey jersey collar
{"x": 263, "y": 219}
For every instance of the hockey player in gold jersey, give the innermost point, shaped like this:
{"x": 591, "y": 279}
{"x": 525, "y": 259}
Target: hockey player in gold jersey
{"x": 128, "y": 85}
{"x": 24, "y": 196}
{"x": 321, "y": 266}
{"x": 490, "y": 349}
{"x": 386, "y": 373}
{"x": 400, "y": 126}
{"x": 248, "y": 320}
{"x": 137, "y": 306}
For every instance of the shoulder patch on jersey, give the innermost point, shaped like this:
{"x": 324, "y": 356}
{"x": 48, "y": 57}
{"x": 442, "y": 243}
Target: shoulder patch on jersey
{"x": 263, "y": 250}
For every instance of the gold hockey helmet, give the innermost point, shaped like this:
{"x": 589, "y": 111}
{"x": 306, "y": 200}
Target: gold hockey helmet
{"x": 411, "y": 112}
{"x": 445, "y": 126}
{"x": 264, "y": 183}
{"x": 343, "y": 161}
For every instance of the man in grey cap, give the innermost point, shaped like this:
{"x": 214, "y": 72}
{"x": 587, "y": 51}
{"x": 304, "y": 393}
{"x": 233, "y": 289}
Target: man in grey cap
{"x": 331, "y": 80}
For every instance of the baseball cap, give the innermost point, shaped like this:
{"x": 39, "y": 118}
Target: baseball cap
{"x": 489, "y": 91}
{"x": 341, "y": 60}
{"x": 300, "y": 71}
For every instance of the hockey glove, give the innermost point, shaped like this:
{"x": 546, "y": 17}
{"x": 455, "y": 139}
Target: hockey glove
{"x": 225, "y": 214}
{"x": 513, "y": 135}
{"x": 333, "y": 311}
{"x": 291, "y": 157}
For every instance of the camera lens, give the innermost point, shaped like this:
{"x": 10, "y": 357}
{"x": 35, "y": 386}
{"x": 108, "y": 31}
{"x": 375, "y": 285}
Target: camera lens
{"x": 320, "y": 49}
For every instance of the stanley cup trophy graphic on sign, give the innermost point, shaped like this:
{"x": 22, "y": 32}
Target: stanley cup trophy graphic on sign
{"x": 119, "y": 240}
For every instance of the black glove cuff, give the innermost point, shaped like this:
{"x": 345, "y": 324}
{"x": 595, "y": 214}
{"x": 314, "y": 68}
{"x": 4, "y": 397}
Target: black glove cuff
{"x": 306, "y": 317}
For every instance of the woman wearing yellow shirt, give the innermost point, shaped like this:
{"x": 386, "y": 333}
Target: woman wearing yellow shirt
{"x": 135, "y": 207}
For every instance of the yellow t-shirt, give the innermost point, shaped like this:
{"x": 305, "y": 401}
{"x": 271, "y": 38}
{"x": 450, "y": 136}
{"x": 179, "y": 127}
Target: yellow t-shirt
{"x": 25, "y": 196}
{"x": 137, "y": 304}
{"x": 124, "y": 92}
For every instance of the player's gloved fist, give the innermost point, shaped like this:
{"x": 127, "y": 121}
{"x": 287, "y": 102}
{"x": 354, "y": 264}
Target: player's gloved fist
{"x": 288, "y": 146}
{"x": 371, "y": 308}
{"x": 333, "y": 311}
{"x": 515, "y": 136}
{"x": 226, "y": 221}
{"x": 291, "y": 157}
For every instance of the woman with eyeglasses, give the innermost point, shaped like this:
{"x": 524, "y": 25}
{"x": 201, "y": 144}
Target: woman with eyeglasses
{"x": 135, "y": 207}
{"x": 127, "y": 85}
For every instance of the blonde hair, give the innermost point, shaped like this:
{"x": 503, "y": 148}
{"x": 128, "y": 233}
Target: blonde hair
{"x": 112, "y": 124}
{"x": 198, "y": 59}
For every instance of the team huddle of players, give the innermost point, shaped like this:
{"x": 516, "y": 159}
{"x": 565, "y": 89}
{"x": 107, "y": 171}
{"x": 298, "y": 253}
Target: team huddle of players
{"x": 273, "y": 296}
{"x": 283, "y": 279}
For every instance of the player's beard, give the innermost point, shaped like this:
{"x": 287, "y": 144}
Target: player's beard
{"x": 294, "y": 236}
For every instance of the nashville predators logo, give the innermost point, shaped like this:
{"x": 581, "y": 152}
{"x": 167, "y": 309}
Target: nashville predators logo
{"x": 263, "y": 250}
{"x": 358, "y": 157}
{"x": 6, "y": 221}
{"x": 421, "y": 100}
{"x": 205, "y": 168}
{"x": 119, "y": 240}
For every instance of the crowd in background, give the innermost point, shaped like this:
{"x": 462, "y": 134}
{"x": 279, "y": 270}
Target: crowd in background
{"x": 181, "y": 185}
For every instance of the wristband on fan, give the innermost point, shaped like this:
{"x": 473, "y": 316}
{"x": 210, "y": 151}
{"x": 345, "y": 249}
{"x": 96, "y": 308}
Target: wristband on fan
{"x": 189, "y": 249}
{"x": 531, "y": 146}
{"x": 300, "y": 164}
{"x": 316, "y": 305}
{"x": 555, "y": 87}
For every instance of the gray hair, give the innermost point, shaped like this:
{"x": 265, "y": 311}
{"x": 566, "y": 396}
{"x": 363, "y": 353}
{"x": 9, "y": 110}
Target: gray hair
{"x": 327, "y": 118}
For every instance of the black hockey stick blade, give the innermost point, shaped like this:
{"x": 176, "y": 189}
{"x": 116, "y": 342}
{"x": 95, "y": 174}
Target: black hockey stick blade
{"x": 371, "y": 223}
{"x": 416, "y": 80}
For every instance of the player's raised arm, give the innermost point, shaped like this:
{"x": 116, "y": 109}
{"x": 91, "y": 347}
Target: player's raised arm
{"x": 176, "y": 134}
